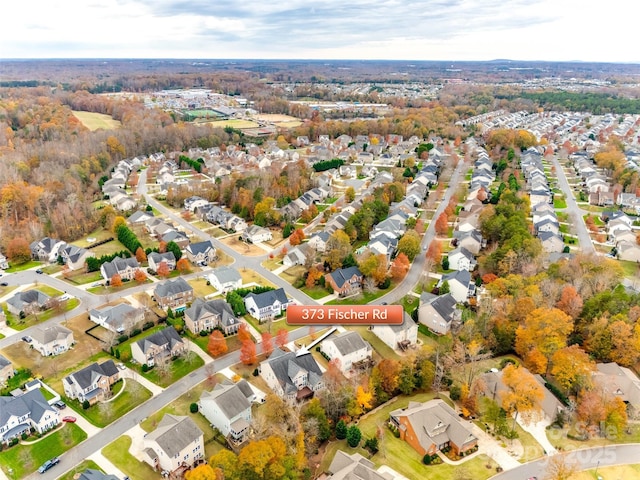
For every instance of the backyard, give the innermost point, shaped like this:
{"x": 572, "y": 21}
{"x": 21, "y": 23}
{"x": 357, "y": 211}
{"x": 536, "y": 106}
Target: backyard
{"x": 117, "y": 452}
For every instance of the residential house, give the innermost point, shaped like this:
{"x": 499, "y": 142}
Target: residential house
{"x": 228, "y": 409}
{"x": 349, "y": 349}
{"x": 256, "y": 234}
{"x": 398, "y": 337}
{"x": 194, "y": 202}
{"x": 628, "y": 250}
{"x": 140, "y": 217}
{"x": 319, "y": 241}
{"x": 462, "y": 259}
{"x": 292, "y": 376}
{"x": 4, "y": 264}
{"x": 28, "y": 301}
{"x": 267, "y": 305}
{"x": 179, "y": 238}
{"x": 117, "y": 318}
{"x": 74, "y": 257}
{"x": 91, "y": 474}
{"x": 21, "y": 413}
{"x": 201, "y": 253}
{"x": 47, "y": 249}
{"x": 225, "y": 279}
{"x": 175, "y": 444}
{"x": 92, "y": 383}
{"x": 6, "y": 370}
{"x": 294, "y": 257}
{"x": 175, "y": 294}
{"x": 355, "y": 467}
{"x": 460, "y": 285}
{"x": 207, "y": 315}
{"x": 125, "y": 267}
{"x": 472, "y": 240}
{"x": 158, "y": 346}
{"x": 51, "y": 340}
{"x": 617, "y": 381}
{"x": 345, "y": 281}
{"x": 438, "y": 312}
{"x": 551, "y": 242}
{"x": 156, "y": 259}
{"x": 432, "y": 426}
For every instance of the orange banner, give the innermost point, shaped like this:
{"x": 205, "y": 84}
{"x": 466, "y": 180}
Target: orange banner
{"x": 345, "y": 314}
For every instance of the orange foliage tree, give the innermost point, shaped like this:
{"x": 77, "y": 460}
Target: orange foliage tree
{"x": 139, "y": 276}
{"x": 248, "y": 352}
{"x": 267, "y": 343}
{"x": 217, "y": 343}
{"x": 116, "y": 280}
{"x": 163, "y": 270}
{"x": 282, "y": 337}
{"x": 140, "y": 255}
{"x": 442, "y": 224}
{"x": 183, "y": 265}
{"x": 243, "y": 333}
{"x": 400, "y": 266}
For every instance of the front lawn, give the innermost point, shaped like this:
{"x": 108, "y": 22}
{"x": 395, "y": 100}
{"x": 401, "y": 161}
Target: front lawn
{"x": 75, "y": 471}
{"x": 117, "y": 452}
{"x": 178, "y": 368}
{"x": 317, "y": 292}
{"x": 23, "y": 266}
{"x": 384, "y": 350}
{"x": 558, "y": 438}
{"x": 363, "y": 298}
{"x": 21, "y": 460}
{"x": 104, "y": 413}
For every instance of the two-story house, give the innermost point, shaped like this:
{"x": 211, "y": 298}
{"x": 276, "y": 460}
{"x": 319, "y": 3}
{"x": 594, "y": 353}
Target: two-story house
{"x": 51, "y": 340}
{"x": 225, "y": 279}
{"x": 158, "y": 346}
{"x": 92, "y": 383}
{"x": 398, "y": 337}
{"x": 6, "y": 370}
{"x": 125, "y": 267}
{"x": 266, "y": 305}
{"x": 21, "y": 413}
{"x": 207, "y": 315}
{"x": 175, "y": 445}
{"x": 47, "y": 249}
{"x": 348, "y": 348}
{"x": 345, "y": 281}
{"x": 175, "y": 294}
{"x": 292, "y": 376}
{"x": 228, "y": 409}
{"x": 156, "y": 259}
{"x": 256, "y": 234}
{"x": 201, "y": 253}
{"x": 438, "y": 313}
{"x": 117, "y": 318}
{"x": 27, "y": 301}
{"x": 74, "y": 257}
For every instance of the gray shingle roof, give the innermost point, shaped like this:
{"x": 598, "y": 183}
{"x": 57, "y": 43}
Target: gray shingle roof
{"x": 200, "y": 247}
{"x": 342, "y": 275}
{"x": 172, "y": 287}
{"x": 266, "y": 299}
{"x": 283, "y": 363}
{"x": 174, "y": 433}
{"x": 348, "y": 342}
{"x": 90, "y": 474}
{"x": 226, "y": 274}
{"x": 90, "y": 375}
{"x": 220, "y": 308}
{"x": 45, "y": 335}
{"x": 163, "y": 337}
{"x": 229, "y": 399}
{"x": 32, "y": 402}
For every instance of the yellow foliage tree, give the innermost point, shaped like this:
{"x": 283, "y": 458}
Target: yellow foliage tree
{"x": 523, "y": 395}
{"x": 363, "y": 398}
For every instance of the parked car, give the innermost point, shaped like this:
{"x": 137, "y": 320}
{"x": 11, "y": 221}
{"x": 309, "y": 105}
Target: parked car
{"x": 59, "y": 404}
{"x": 4, "y": 284}
{"x": 26, "y": 338}
{"x": 39, "y": 271}
{"x": 48, "y": 464}
{"x": 69, "y": 419}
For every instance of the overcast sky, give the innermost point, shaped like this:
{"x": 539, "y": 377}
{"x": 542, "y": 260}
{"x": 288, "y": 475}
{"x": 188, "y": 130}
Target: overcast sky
{"x": 322, "y": 29}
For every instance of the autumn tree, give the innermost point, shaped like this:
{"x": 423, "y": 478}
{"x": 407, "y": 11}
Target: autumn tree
{"x": 572, "y": 368}
{"x": 243, "y": 333}
{"x": 163, "y": 270}
{"x": 217, "y": 343}
{"x": 523, "y": 395}
{"x": 297, "y": 237}
{"x": 409, "y": 244}
{"x": 140, "y": 255}
{"x": 117, "y": 223}
{"x": 227, "y": 461}
{"x": 544, "y": 331}
{"x": 384, "y": 379}
{"x": 313, "y": 276}
{"x": 204, "y": 472}
{"x": 590, "y": 410}
{"x": 561, "y": 467}
{"x": 616, "y": 419}
{"x": 267, "y": 343}
{"x": 282, "y": 337}
{"x": 183, "y": 266}
{"x": 374, "y": 266}
{"x": 140, "y": 276}
{"x": 18, "y": 250}
{"x": 116, "y": 280}
{"x": 400, "y": 267}
{"x": 442, "y": 224}
{"x": 570, "y": 302}
{"x": 248, "y": 352}
{"x": 434, "y": 252}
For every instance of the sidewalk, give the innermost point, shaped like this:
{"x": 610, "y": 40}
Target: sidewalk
{"x": 539, "y": 431}
{"x": 105, "y": 464}
{"x": 128, "y": 373}
{"x": 198, "y": 351}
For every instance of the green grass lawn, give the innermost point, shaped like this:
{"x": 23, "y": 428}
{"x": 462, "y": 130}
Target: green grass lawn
{"x": 559, "y": 202}
{"x": 363, "y": 298}
{"x": 23, "y": 266}
{"x": 18, "y": 323}
{"x": 84, "y": 278}
{"x": 180, "y": 367}
{"x": 21, "y": 460}
{"x": 117, "y": 452}
{"x": 317, "y": 292}
{"x": 559, "y": 439}
{"x": 102, "y": 414}
{"x": 71, "y": 474}
{"x": 398, "y": 455}
{"x": 378, "y": 345}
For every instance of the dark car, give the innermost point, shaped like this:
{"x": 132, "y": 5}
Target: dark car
{"x": 60, "y": 404}
{"x": 39, "y": 270}
{"x": 4, "y": 284}
{"x": 48, "y": 464}
{"x": 26, "y": 338}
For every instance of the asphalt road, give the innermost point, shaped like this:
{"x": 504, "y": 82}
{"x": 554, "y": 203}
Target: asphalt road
{"x": 575, "y": 212}
{"x": 585, "y": 459}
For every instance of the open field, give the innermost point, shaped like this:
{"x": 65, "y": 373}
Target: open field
{"x": 284, "y": 121}
{"x": 244, "y": 248}
{"x": 239, "y": 124}
{"x": 95, "y": 121}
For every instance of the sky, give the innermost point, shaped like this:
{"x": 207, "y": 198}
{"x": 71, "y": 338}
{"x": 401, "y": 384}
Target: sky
{"x": 552, "y": 30}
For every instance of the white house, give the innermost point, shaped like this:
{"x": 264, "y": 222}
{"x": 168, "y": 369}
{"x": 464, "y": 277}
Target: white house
{"x": 348, "y": 348}
{"x": 460, "y": 285}
{"x": 225, "y": 279}
{"x": 228, "y": 409}
{"x": 266, "y": 305}
{"x": 292, "y": 376}
{"x": 255, "y": 234}
{"x": 177, "y": 442}
{"x": 52, "y": 340}
{"x": 461, "y": 259}
{"x": 398, "y": 337}
{"x": 20, "y": 413}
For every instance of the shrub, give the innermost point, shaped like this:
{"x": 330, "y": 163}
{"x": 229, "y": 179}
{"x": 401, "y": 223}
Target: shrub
{"x": 147, "y": 325}
{"x": 371, "y": 444}
{"x": 203, "y": 333}
{"x": 354, "y": 435}
{"x": 454, "y": 392}
{"x": 193, "y": 408}
{"x": 506, "y": 361}
{"x": 256, "y": 372}
{"x": 135, "y": 332}
{"x": 427, "y": 459}
{"x": 145, "y": 368}
{"x": 123, "y": 338}
{"x": 24, "y": 435}
{"x": 341, "y": 430}
{"x": 86, "y": 404}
